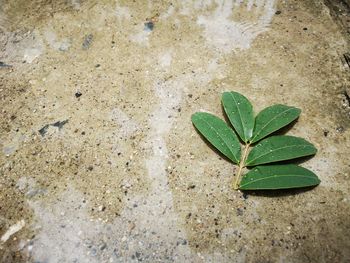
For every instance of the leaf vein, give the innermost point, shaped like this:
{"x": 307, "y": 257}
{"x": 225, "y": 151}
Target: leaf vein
{"x": 240, "y": 115}
{"x": 270, "y": 122}
{"x": 289, "y": 146}
{"x": 220, "y": 137}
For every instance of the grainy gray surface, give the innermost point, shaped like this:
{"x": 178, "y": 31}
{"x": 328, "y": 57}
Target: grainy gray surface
{"x": 100, "y": 162}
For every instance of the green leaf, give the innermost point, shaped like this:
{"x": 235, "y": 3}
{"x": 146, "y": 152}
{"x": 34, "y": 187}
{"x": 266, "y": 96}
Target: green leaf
{"x": 279, "y": 148}
{"x": 240, "y": 113}
{"x": 272, "y": 119}
{"x": 219, "y": 134}
{"x": 278, "y": 177}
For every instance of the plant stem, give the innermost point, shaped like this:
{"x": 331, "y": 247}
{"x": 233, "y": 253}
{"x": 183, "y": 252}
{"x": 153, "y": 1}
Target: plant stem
{"x": 241, "y": 166}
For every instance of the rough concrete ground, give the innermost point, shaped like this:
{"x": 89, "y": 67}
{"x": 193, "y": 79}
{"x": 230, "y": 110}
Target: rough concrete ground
{"x": 100, "y": 162}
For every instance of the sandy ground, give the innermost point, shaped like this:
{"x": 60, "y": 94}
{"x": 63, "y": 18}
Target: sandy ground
{"x": 99, "y": 161}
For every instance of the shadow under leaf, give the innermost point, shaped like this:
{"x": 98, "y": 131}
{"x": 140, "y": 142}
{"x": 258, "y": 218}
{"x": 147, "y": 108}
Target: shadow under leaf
{"x": 278, "y": 192}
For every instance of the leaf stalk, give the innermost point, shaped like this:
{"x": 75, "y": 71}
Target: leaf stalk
{"x": 241, "y": 166}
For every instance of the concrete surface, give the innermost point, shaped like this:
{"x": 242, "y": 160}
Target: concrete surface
{"x": 100, "y": 162}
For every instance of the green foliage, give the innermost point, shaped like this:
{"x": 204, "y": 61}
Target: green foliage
{"x": 278, "y": 177}
{"x": 240, "y": 113}
{"x": 279, "y": 148}
{"x": 272, "y": 119}
{"x": 251, "y": 130}
{"x": 219, "y": 134}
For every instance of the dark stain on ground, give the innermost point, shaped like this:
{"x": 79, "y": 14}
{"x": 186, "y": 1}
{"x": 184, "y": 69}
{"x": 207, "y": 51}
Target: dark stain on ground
{"x": 4, "y": 65}
{"x": 347, "y": 97}
{"x": 58, "y": 124}
{"x": 87, "y": 41}
{"x": 346, "y": 59}
{"x": 33, "y": 11}
{"x": 340, "y": 12}
{"x": 149, "y": 25}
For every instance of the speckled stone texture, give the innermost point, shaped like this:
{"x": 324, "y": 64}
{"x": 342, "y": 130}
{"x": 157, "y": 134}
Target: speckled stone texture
{"x": 99, "y": 161}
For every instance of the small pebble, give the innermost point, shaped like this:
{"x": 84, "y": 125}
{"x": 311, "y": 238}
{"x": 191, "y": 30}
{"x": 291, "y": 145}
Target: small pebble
{"x": 340, "y": 129}
{"x": 103, "y": 246}
{"x": 149, "y": 25}
{"x": 101, "y": 208}
{"x": 239, "y": 211}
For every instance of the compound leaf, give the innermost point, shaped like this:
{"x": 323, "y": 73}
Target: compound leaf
{"x": 240, "y": 113}
{"x": 278, "y": 177}
{"x": 272, "y": 119}
{"x": 279, "y": 148}
{"x": 219, "y": 134}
